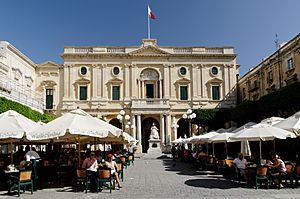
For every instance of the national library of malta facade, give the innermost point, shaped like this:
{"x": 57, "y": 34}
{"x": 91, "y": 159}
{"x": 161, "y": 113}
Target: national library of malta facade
{"x": 151, "y": 83}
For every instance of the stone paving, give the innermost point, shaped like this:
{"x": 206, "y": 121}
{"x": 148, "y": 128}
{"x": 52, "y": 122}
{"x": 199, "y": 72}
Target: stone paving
{"x": 161, "y": 178}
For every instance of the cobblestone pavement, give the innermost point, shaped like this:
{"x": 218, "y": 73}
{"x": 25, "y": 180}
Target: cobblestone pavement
{"x": 161, "y": 178}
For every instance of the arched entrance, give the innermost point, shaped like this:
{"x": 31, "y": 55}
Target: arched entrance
{"x": 116, "y": 123}
{"x": 146, "y": 131}
{"x": 183, "y": 128}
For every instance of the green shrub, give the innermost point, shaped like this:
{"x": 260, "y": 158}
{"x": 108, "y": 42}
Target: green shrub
{"x": 6, "y": 104}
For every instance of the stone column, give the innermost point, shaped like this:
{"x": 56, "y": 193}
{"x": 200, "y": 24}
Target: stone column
{"x": 139, "y": 89}
{"x": 225, "y": 82}
{"x": 199, "y": 78}
{"x": 162, "y": 129}
{"x": 194, "y": 82}
{"x": 160, "y": 89}
{"x": 203, "y": 75}
{"x": 171, "y": 81}
{"x": 168, "y": 130}
{"x": 99, "y": 81}
{"x": 104, "y": 79}
{"x": 94, "y": 82}
{"x": 71, "y": 88}
{"x": 134, "y": 127}
{"x": 126, "y": 82}
{"x": 133, "y": 81}
{"x": 139, "y": 132}
{"x": 166, "y": 81}
{"x": 143, "y": 89}
{"x": 66, "y": 82}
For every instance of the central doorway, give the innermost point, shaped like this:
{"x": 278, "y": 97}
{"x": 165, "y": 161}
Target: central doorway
{"x": 146, "y": 131}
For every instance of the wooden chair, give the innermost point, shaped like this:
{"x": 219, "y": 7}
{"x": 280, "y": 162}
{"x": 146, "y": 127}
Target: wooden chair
{"x": 261, "y": 175}
{"x": 104, "y": 176}
{"x": 289, "y": 175}
{"x": 297, "y": 175}
{"x": 82, "y": 179}
{"x": 120, "y": 170}
{"x": 123, "y": 160}
{"x": 22, "y": 180}
{"x": 130, "y": 160}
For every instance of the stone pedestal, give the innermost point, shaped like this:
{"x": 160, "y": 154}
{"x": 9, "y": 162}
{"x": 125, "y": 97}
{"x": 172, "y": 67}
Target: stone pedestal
{"x": 154, "y": 150}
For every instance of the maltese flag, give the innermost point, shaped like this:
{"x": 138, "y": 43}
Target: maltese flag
{"x": 150, "y": 13}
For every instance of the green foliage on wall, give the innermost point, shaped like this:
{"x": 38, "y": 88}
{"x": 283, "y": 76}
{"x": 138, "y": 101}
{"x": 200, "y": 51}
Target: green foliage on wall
{"x": 281, "y": 103}
{"x": 6, "y": 105}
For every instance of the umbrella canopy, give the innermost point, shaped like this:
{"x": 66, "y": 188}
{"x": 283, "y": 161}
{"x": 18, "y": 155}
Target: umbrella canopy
{"x": 178, "y": 140}
{"x": 247, "y": 125}
{"x": 272, "y": 120}
{"x": 245, "y": 148}
{"x": 71, "y": 125}
{"x": 125, "y": 138}
{"x": 202, "y": 138}
{"x": 222, "y": 137}
{"x": 291, "y": 123}
{"x": 14, "y": 125}
{"x": 261, "y": 132}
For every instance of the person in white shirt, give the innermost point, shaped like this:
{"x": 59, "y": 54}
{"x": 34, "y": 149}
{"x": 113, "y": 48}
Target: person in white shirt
{"x": 240, "y": 164}
{"x": 112, "y": 165}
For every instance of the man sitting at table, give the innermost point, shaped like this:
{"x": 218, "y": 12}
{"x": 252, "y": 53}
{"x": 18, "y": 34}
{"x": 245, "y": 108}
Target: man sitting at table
{"x": 240, "y": 163}
{"x": 279, "y": 167}
{"x": 91, "y": 165}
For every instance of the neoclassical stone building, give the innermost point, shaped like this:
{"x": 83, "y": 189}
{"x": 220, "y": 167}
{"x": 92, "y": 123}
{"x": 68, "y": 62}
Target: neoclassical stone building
{"x": 151, "y": 83}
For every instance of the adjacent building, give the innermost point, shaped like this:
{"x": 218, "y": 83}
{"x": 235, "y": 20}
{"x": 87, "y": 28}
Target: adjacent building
{"x": 274, "y": 72}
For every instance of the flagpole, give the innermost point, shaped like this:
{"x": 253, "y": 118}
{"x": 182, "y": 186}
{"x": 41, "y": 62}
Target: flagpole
{"x": 148, "y": 22}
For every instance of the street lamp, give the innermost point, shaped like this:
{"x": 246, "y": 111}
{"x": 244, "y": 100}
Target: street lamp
{"x": 124, "y": 120}
{"x": 189, "y": 116}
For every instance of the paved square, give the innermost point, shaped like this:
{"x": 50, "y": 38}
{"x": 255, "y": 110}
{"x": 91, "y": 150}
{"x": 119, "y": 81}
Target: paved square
{"x": 161, "y": 178}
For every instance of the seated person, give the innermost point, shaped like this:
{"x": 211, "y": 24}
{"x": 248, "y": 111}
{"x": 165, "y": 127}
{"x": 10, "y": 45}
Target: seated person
{"x": 240, "y": 163}
{"x": 279, "y": 166}
{"x": 112, "y": 165}
{"x": 90, "y": 163}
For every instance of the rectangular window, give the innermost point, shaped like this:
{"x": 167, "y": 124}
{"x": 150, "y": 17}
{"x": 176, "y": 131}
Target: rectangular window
{"x": 290, "y": 64}
{"x": 270, "y": 76}
{"x": 183, "y": 92}
{"x": 215, "y": 92}
{"x": 116, "y": 93}
{"x": 49, "y": 98}
{"x": 83, "y": 93}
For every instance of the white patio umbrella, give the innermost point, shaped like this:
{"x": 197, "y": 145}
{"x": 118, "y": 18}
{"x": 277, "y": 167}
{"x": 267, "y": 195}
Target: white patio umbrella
{"x": 247, "y": 125}
{"x": 220, "y": 138}
{"x": 178, "y": 140}
{"x": 14, "y": 126}
{"x": 272, "y": 120}
{"x": 291, "y": 123}
{"x": 74, "y": 125}
{"x": 261, "y": 132}
{"x": 204, "y": 138}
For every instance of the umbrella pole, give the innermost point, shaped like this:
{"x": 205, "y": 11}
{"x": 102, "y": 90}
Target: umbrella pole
{"x": 79, "y": 158}
{"x": 213, "y": 146}
{"x": 274, "y": 146}
{"x": 11, "y": 152}
{"x": 226, "y": 149}
{"x": 207, "y": 148}
{"x": 260, "y": 150}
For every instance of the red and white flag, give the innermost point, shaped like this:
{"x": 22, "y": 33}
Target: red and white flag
{"x": 150, "y": 13}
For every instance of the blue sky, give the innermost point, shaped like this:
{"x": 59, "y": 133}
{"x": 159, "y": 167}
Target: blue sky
{"x": 40, "y": 29}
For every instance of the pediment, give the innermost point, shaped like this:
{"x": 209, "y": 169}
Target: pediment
{"x": 115, "y": 81}
{"x": 149, "y": 50}
{"x": 48, "y": 64}
{"x": 214, "y": 80}
{"x": 183, "y": 80}
{"x": 82, "y": 81}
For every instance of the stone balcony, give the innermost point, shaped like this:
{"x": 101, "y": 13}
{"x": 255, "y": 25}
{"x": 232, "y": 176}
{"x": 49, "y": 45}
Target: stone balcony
{"x": 150, "y": 103}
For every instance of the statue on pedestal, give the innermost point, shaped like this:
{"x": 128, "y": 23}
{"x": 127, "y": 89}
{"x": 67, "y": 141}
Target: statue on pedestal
{"x": 154, "y": 132}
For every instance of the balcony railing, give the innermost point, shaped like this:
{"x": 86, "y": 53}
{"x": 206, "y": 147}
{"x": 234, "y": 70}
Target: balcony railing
{"x": 150, "y": 103}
